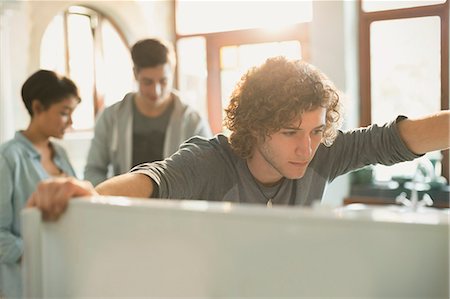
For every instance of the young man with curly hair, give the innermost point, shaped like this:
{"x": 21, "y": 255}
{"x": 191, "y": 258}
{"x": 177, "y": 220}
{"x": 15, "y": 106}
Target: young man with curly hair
{"x": 284, "y": 147}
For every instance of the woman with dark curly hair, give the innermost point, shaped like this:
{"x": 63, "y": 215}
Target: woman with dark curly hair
{"x": 284, "y": 147}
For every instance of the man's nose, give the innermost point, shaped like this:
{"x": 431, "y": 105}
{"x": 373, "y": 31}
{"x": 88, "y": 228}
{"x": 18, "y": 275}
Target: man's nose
{"x": 303, "y": 146}
{"x": 156, "y": 89}
{"x": 69, "y": 121}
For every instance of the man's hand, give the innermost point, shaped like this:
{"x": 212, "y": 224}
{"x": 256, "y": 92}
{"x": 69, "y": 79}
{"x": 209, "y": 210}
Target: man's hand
{"x": 51, "y": 196}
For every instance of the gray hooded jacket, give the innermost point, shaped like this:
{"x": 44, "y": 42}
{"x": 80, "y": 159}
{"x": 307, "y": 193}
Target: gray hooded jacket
{"x": 111, "y": 150}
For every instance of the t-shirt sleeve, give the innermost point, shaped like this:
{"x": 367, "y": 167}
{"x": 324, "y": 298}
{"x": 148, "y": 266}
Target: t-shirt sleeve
{"x": 184, "y": 175}
{"x": 369, "y": 145}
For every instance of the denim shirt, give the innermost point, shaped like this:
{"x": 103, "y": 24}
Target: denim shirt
{"x": 20, "y": 171}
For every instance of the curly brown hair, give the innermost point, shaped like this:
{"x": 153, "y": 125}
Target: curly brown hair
{"x": 271, "y": 96}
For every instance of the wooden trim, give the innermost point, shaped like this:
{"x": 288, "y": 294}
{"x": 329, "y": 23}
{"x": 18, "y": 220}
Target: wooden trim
{"x": 445, "y": 57}
{"x": 445, "y": 79}
{"x": 213, "y": 87}
{"x": 365, "y": 105}
{"x": 97, "y": 95}
{"x": 402, "y": 13}
{"x": 66, "y": 42}
{"x": 306, "y": 50}
{"x": 173, "y": 18}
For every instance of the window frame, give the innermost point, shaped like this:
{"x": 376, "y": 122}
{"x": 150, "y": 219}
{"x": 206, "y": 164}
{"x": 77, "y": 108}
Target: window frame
{"x": 216, "y": 40}
{"x": 365, "y": 20}
{"x": 91, "y": 13}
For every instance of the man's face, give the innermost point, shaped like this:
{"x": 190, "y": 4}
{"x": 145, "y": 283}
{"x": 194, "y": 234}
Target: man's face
{"x": 288, "y": 152}
{"x": 155, "y": 83}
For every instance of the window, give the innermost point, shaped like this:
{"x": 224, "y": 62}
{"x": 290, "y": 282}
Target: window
{"x": 404, "y": 66}
{"x": 85, "y": 46}
{"x": 214, "y": 49}
{"x": 235, "y": 60}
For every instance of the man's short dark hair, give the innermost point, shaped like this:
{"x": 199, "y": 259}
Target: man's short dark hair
{"x": 152, "y": 52}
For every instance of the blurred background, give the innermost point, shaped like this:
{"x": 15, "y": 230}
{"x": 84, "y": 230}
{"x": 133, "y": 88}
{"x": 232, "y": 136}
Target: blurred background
{"x": 388, "y": 57}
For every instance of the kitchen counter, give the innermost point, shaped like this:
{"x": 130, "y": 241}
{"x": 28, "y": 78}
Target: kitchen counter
{"x": 122, "y": 247}
{"x": 386, "y": 194}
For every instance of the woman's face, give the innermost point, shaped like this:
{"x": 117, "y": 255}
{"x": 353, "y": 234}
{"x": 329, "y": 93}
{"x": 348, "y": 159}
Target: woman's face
{"x": 53, "y": 121}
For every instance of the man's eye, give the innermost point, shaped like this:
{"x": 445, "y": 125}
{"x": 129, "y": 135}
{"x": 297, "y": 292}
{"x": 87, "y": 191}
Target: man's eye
{"x": 289, "y": 133}
{"x": 318, "y": 132}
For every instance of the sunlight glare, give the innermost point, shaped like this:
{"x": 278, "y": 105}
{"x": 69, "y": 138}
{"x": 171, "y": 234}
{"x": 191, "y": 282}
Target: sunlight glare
{"x": 214, "y": 16}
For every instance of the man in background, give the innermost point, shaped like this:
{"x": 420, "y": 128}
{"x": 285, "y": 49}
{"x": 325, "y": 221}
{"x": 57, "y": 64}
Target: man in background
{"x": 147, "y": 125}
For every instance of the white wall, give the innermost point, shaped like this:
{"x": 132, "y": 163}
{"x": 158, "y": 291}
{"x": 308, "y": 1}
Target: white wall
{"x": 14, "y": 45}
{"x": 333, "y": 49}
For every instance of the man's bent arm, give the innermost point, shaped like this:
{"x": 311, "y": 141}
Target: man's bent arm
{"x": 426, "y": 134}
{"x": 52, "y": 196}
{"x": 129, "y": 184}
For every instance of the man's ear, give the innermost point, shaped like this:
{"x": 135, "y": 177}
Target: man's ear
{"x": 135, "y": 72}
{"x": 257, "y": 135}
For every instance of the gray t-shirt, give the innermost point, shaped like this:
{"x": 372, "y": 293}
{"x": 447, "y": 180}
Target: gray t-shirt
{"x": 148, "y": 135}
{"x": 209, "y": 169}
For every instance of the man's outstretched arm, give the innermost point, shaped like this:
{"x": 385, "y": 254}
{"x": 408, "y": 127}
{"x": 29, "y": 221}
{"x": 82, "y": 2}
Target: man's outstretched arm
{"x": 426, "y": 134}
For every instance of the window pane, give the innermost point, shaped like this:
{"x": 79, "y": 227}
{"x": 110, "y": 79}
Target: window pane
{"x": 405, "y": 68}
{"x": 192, "y": 72}
{"x": 115, "y": 72}
{"x": 405, "y": 75}
{"x": 103, "y": 64}
{"x": 215, "y": 16}
{"x": 52, "y": 47}
{"x": 236, "y": 60}
{"x": 81, "y": 63}
{"x": 376, "y": 5}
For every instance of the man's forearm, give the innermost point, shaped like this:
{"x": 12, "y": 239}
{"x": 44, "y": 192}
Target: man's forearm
{"x": 426, "y": 134}
{"x": 129, "y": 184}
